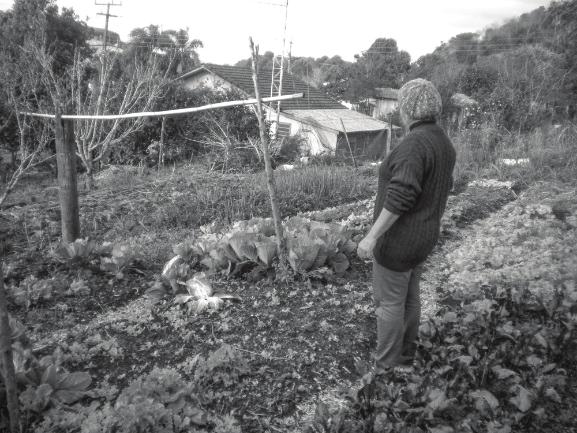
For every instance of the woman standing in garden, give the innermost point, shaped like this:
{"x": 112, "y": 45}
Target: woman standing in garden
{"x": 414, "y": 183}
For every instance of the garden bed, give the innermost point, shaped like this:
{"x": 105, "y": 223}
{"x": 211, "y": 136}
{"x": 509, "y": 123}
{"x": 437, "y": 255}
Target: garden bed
{"x": 272, "y": 355}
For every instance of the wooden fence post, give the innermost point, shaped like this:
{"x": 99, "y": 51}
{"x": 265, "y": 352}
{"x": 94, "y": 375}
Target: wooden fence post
{"x": 67, "y": 183}
{"x": 6, "y": 360}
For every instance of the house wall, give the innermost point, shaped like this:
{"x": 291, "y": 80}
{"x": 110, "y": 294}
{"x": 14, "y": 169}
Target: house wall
{"x": 383, "y": 107}
{"x": 207, "y": 79}
{"x": 319, "y": 140}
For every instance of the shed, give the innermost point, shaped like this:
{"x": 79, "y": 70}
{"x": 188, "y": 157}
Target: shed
{"x": 386, "y": 101}
{"x": 316, "y": 117}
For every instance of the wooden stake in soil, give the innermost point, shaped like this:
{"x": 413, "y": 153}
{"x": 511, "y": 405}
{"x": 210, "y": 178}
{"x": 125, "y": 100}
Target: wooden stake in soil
{"x": 67, "y": 183}
{"x": 276, "y": 216}
{"x": 7, "y": 361}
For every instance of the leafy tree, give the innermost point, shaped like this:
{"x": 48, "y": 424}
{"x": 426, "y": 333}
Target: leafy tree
{"x": 330, "y": 74}
{"x": 176, "y": 45}
{"x": 264, "y": 61}
{"x": 382, "y": 65}
{"x": 522, "y": 72}
{"x": 187, "y": 135}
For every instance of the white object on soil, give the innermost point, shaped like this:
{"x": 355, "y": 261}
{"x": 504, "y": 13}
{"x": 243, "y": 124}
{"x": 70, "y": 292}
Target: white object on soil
{"x": 492, "y": 183}
{"x": 512, "y": 162}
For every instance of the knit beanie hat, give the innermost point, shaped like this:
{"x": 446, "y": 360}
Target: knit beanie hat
{"x": 420, "y": 100}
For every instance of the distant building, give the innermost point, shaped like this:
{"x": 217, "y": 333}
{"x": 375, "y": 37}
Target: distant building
{"x": 320, "y": 120}
{"x": 384, "y": 101}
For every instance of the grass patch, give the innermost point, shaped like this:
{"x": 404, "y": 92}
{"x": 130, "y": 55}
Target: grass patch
{"x": 550, "y": 150}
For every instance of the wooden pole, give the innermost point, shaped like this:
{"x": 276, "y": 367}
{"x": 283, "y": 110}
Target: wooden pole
{"x": 67, "y": 183}
{"x": 276, "y": 216}
{"x": 348, "y": 143}
{"x": 7, "y": 360}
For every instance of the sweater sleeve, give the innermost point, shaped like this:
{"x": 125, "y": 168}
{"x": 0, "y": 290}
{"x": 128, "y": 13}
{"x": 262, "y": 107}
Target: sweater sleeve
{"x": 407, "y": 169}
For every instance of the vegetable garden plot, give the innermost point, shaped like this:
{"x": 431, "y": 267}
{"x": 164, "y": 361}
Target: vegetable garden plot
{"x": 252, "y": 364}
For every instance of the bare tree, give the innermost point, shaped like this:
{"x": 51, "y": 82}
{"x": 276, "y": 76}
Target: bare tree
{"x": 220, "y": 140}
{"x": 21, "y": 92}
{"x": 111, "y": 91}
{"x": 107, "y": 84}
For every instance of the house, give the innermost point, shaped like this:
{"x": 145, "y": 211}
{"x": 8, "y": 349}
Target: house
{"x": 324, "y": 124}
{"x": 383, "y": 102}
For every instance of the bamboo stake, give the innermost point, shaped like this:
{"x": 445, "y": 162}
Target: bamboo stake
{"x": 276, "y": 216}
{"x": 176, "y": 112}
{"x": 7, "y": 361}
{"x": 348, "y": 142}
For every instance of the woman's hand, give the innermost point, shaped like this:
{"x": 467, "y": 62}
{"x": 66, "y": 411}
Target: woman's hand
{"x": 366, "y": 247}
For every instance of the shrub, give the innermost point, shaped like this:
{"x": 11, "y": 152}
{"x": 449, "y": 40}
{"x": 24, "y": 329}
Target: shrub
{"x": 120, "y": 176}
{"x": 287, "y": 149}
{"x": 476, "y": 149}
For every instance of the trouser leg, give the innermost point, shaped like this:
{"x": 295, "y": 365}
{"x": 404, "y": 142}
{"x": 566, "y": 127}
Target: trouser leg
{"x": 412, "y": 315}
{"x": 390, "y": 290}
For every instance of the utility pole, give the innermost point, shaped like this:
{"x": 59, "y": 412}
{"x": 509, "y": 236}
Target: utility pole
{"x": 107, "y": 15}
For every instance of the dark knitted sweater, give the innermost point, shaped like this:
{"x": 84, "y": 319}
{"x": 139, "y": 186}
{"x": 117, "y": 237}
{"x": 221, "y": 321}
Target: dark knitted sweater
{"x": 414, "y": 182}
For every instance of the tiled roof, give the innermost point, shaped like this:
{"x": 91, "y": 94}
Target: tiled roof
{"x": 331, "y": 119}
{"x": 242, "y": 78}
{"x": 386, "y": 93}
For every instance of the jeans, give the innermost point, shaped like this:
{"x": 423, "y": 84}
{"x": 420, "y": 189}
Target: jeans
{"x": 398, "y": 311}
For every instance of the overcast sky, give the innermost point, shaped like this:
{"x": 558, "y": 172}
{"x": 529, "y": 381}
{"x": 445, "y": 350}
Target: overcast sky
{"x": 316, "y": 27}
